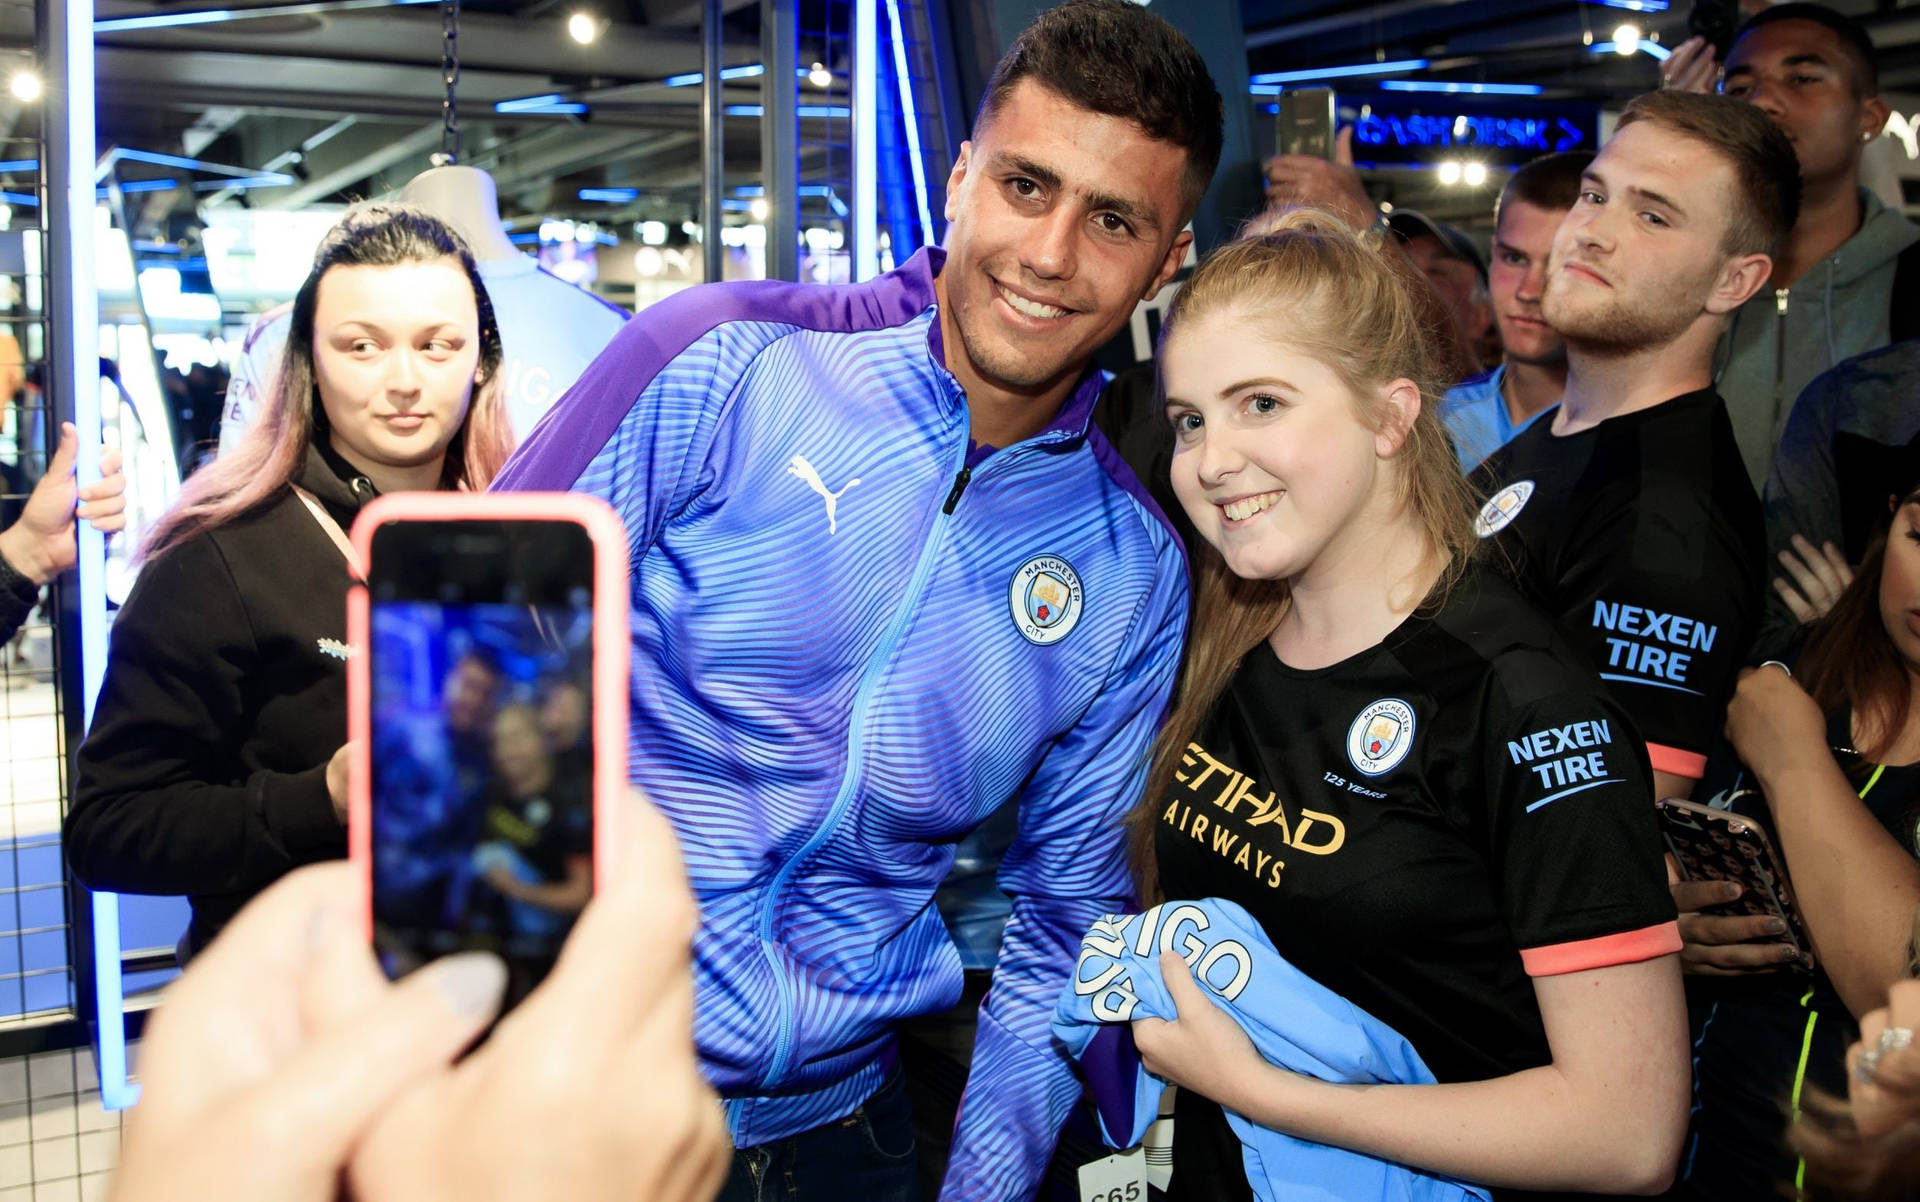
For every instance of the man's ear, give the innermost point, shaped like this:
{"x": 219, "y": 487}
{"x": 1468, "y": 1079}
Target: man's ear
{"x": 1170, "y": 265}
{"x": 1740, "y": 277}
{"x": 956, "y": 177}
{"x": 1873, "y": 117}
{"x": 1403, "y": 409}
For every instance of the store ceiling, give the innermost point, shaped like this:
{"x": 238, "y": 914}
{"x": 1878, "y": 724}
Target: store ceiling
{"x": 355, "y": 95}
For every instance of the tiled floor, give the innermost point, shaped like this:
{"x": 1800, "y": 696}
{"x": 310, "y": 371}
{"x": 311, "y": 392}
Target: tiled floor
{"x": 56, "y": 1142}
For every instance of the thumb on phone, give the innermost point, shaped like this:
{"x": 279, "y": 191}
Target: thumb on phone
{"x": 335, "y": 1087}
{"x": 1343, "y": 146}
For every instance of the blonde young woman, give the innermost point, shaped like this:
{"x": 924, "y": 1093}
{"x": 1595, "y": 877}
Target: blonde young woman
{"x": 215, "y": 761}
{"x": 1394, "y": 763}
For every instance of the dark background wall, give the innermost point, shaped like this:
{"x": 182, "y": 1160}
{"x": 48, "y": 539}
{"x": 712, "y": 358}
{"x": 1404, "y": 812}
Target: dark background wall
{"x": 984, "y": 30}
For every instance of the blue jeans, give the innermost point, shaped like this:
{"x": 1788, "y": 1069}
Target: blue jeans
{"x": 866, "y": 1156}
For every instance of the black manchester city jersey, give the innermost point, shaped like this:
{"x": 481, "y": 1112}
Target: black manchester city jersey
{"x": 1423, "y": 828}
{"x": 1643, "y": 537}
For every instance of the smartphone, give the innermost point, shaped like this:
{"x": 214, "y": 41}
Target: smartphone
{"x": 1306, "y": 122}
{"x": 1715, "y": 20}
{"x": 487, "y": 711}
{"x": 1715, "y": 844}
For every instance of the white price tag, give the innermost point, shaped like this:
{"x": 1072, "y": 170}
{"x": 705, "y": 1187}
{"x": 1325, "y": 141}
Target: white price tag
{"x": 1121, "y": 1177}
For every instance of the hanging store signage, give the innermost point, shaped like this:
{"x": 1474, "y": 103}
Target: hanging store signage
{"x": 1400, "y": 131}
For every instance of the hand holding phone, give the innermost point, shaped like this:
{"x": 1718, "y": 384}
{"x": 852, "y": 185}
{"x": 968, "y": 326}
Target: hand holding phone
{"x": 1717, "y": 851}
{"x": 591, "y": 1090}
{"x": 488, "y": 694}
{"x": 1714, "y": 21}
{"x": 1329, "y": 183}
{"x": 283, "y": 1059}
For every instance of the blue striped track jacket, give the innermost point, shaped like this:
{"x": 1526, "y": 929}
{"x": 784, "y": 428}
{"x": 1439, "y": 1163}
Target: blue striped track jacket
{"x": 854, "y": 638}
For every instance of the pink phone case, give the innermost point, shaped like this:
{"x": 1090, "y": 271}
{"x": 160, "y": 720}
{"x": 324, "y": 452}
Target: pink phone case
{"x": 612, "y": 652}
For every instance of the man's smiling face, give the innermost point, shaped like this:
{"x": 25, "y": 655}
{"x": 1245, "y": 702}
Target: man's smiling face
{"x": 1062, "y": 219}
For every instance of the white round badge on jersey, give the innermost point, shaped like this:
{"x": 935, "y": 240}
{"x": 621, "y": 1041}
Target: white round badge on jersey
{"x": 1502, "y": 507}
{"x": 1046, "y": 599}
{"x": 1381, "y": 736}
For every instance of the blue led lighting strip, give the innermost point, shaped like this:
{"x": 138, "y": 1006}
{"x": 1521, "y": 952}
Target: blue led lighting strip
{"x": 1311, "y": 74}
{"x": 1470, "y": 89}
{"x": 1650, "y": 49}
{"x": 214, "y": 16}
{"x": 71, "y": 90}
{"x": 909, "y": 117}
{"x": 866, "y": 139}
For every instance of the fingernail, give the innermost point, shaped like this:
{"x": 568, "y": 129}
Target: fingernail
{"x": 1776, "y": 927}
{"x": 472, "y": 982}
{"x": 1729, "y": 890}
{"x": 1789, "y": 952}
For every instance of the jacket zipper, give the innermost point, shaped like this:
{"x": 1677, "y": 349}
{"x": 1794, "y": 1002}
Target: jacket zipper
{"x": 877, "y": 665}
{"x": 959, "y": 486}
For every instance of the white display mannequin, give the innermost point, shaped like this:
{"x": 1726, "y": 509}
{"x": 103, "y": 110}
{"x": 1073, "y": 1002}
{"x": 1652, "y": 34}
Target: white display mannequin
{"x": 466, "y": 199}
{"x": 549, "y": 329}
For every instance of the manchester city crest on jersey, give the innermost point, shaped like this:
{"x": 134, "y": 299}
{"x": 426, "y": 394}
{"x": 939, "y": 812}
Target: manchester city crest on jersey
{"x": 1046, "y": 599}
{"x": 1381, "y": 736}
{"x": 1502, "y": 507}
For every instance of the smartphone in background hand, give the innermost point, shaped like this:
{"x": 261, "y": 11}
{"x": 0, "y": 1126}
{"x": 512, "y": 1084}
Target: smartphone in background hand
{"x": 1713, "y": 844}
{"x": 487, "y": 709}
{"x": 1714, "y": 20}
{"x": 1306, "y": 124}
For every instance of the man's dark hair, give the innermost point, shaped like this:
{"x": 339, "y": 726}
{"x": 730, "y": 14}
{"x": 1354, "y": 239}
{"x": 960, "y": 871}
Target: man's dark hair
{"x": 1118, "y": 59}
{"x": 1550, "y": 182}
{"x": 1766, "y": 173}
{"x": 1852, "y": 34}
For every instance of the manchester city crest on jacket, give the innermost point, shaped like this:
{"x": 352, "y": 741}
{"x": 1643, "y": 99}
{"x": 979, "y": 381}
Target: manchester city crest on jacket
{"x": 1046, "y": 599}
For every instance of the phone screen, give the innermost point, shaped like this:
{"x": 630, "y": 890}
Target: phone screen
{"x": 481, "y": 700}
{"x": 1306, "y": 122}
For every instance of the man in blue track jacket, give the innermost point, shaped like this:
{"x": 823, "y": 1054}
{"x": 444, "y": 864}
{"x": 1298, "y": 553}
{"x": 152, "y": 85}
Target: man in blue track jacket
{"x": 886, "y": 578}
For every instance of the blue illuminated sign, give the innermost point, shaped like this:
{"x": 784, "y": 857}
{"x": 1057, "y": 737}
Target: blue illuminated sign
{"x": 1398, "y": 129}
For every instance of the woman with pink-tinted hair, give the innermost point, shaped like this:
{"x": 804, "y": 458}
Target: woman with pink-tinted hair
{"x": 216, "y": 758}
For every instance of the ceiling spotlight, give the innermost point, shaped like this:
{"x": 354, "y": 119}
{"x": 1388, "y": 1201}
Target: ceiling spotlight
{"x": 759, "y": 209}
{"x": 820, "y": 77}
{"x": 1474, "y": 174}
{"x": 1626, "y": 39}
{"x": 1450, "y": 172}
{"x": 583, "y": 28}
{"x": 24, "y": 85}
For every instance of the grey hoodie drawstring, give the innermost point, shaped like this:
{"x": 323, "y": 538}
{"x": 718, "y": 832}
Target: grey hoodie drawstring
{"x": 1833, "y": 353}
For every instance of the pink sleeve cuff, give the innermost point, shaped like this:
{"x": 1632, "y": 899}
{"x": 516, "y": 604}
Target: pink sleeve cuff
{"x": 1603, "y": 951}
{"x": 1676, "y": 762}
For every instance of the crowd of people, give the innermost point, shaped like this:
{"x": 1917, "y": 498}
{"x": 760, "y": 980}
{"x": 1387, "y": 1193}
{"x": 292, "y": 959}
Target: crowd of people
{"x": 1334, "y": 666}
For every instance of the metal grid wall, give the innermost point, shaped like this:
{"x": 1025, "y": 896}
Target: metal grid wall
{"x": 35, "y": 974}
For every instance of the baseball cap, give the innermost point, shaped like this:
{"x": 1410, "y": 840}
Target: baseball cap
{"x": 1407, "y": 224}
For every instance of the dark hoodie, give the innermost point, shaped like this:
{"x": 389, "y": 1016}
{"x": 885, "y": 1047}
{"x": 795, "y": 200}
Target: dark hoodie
{"x": 204, "y": 772}
{"x": 1780, "y": 340}
{"x": 1852, "y": 442}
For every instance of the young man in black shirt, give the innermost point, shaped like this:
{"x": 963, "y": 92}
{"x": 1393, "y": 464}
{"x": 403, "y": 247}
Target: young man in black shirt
{"x": 1629, "y": 514}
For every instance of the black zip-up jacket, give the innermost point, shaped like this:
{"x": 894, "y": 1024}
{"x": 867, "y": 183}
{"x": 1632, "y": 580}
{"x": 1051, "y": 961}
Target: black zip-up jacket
{"x": 204, "y": 772}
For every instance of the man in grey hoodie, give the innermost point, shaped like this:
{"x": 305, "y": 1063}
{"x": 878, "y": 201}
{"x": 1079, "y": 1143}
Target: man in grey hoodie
{"x": 1811, "y": 70}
